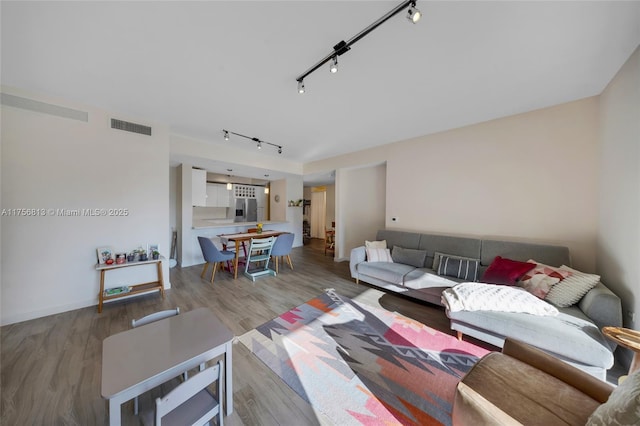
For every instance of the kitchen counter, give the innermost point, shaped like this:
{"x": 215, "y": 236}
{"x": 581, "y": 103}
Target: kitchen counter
{"x": 225, "y": 223}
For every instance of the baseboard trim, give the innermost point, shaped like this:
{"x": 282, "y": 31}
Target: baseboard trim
{"x": 54, "y": 310}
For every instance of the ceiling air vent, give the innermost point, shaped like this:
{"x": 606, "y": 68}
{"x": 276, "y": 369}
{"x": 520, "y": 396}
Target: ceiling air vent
{"x": 130, "y": 127}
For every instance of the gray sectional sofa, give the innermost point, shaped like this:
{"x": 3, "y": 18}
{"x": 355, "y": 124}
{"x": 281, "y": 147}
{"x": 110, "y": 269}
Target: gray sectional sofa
{"x": 573, "y": 335}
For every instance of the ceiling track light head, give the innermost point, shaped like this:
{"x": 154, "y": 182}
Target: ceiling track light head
{"x": 334, "y": 65}
{"x": 300, "y": 86}
{"x": 226, "y": 135}
{"x": 413, "y": 14}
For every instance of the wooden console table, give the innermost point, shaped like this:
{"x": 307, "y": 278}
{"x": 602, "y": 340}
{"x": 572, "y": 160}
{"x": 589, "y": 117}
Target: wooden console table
{"x": 135, "y": 289}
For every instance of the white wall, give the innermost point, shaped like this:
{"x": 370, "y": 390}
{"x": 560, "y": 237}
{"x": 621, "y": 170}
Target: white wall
{"x": 360, "y": 205}
{"x": 173, "y": 197}
{"x": 619, "y": 200}
{"x": 294, "y": 188}
{"x": 532, "y": 176}
{"x": 278, "y": 209}
{"x": 50, "y": 162}
{"x": 331, "y": 205}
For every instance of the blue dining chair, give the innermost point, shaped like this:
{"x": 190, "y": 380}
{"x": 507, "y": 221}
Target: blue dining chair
{"x": 281, "y": 248}
{"x": 213, "y": 255}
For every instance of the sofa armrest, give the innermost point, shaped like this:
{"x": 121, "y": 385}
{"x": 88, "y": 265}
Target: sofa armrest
{"x": 584, "y": 382}
{"x": 358, "y": 255}
{"x": 603, "y": 307}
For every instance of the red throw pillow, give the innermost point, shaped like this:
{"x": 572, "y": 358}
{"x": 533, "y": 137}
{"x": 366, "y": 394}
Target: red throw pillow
{"x": 505, "y": 271}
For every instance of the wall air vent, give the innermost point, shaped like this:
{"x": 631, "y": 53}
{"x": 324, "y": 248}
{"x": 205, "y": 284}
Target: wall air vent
{"x": 130, "y": 127}
{"x": 45, "y": 108}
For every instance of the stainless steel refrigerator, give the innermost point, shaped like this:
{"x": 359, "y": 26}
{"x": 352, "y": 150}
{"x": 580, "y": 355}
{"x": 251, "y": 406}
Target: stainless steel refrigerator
{"x": 246, "y": 210}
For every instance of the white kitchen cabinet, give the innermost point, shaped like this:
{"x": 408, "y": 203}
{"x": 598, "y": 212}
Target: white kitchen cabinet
{"x": 261, "y": 198}
{"x": 212, "y": 195}
{"x": 198, "y": 187}
{"x": 217, "y": 195}
{"x": 223, "y": 196}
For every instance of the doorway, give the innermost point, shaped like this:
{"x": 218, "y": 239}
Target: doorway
{"x": 318, "y": 213}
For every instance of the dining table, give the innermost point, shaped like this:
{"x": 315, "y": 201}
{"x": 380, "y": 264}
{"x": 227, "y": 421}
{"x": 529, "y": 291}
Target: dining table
{"x": 240, "y": 239}
{"x": 137, "y": 360}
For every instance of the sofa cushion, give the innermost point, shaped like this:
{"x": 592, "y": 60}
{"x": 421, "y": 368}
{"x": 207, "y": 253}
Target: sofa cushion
{"x": 391, "y": 272}
{"x": 622, "y": 407}
{"x": 408, "y": 256}
{"x": 505, "y": 271}
{"x": 399, "y": 238}
{"x": 570, "y": 290}
{"x": 453, "y": 245}
{"x": 378, "y": 255}
{"x": 453, "y": 266}
{"x": 504, "y": 390}
{"x": 569, "y": 335}
{"x": 547, "y": 254}
{"x": 427, "y": 278}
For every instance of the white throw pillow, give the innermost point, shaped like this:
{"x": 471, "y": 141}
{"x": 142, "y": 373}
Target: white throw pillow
{"x": 376, "y": 244}
{"x": 379, "y": 255}
{"x": 570, "y": 290}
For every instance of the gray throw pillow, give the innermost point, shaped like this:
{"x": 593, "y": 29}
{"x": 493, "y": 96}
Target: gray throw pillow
{"x": 438, "y": 255}
{"x": 453, "y": 266}
{"x": 408, "y": 256}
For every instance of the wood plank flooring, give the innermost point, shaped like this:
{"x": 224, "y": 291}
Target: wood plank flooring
{"x": 50, "y": 367}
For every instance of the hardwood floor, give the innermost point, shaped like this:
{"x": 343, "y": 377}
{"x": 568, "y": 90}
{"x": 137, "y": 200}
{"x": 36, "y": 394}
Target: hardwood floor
{"x": 50, "y": 367}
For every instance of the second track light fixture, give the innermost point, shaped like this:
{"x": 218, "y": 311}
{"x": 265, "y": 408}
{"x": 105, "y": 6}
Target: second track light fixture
{"x": 413, "y": 15}
{"x": 258, "y": 142}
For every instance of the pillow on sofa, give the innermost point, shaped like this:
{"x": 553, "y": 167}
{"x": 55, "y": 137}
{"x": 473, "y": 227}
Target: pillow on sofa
{"x": 378, "y": 255}
{"x": 375, "y": 244}
{"x": 622, "y": 407}
{"x": 457, "y": 267}
{"x": 541, "y": 278}
{"x": 408, "y": 256}
{"x": 505, "y": 271}
{"x": 438, "y": 255}
{"x": 570, "y": 290}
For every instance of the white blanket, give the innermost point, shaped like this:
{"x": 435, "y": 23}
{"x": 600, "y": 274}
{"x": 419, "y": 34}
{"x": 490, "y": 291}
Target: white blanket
{"x": 491, "y": 297}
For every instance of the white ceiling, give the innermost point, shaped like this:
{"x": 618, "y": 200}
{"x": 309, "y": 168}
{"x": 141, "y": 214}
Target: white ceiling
{"x": 203, "y": 66}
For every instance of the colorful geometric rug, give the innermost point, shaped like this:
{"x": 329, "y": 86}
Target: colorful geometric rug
{"x": 361, "y": 365}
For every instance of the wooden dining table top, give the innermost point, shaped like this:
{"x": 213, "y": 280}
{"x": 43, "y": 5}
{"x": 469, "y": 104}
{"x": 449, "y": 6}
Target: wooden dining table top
{"x": 239, "y": 239}
{"x": 245, "y": 236}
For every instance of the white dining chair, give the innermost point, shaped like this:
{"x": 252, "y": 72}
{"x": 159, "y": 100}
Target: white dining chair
{"x": 191, "y": 402}
{"x": 156, "y": 316}
{"x": 259, "y": 253}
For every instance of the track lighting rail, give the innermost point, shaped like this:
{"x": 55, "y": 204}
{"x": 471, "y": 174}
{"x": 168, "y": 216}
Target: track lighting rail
{"x": 344, "y": 46}
{"x": 258, "y": 142}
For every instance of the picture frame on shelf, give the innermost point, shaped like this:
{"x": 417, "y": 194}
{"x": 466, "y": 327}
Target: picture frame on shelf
{"x": 105, "y": 254}
{"x": 153, "y": 248}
